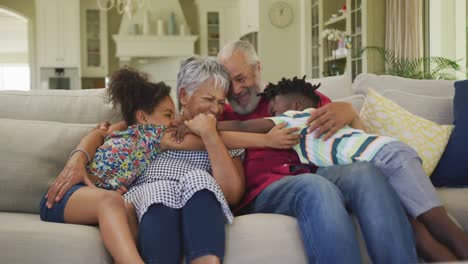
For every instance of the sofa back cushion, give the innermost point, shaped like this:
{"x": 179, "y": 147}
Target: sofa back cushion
{"x": 32, "y": 154}
{"x": 356, "y": 100}
{"x": 436, "y": 109}
{"x": 334, "y": 87}
{"x": 70, "y": 106}
{"x": 381, "y": 83}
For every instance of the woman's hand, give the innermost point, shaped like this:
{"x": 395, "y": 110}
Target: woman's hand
{"x": 202, "y": 125}
{"x": 120, "y": 126}
{"x": 104, "y": 126}
{"x": 331, "y": 117}
{"x": 73, "y": 173}
{"x": 109, "y": 128}
{"x": 281, "y": 137}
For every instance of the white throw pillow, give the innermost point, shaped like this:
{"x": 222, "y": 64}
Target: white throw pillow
{"x": 356, "y": 100}
{"x": 334, "y": 87}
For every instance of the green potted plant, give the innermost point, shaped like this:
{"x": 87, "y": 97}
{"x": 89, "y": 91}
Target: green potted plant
{"x": 438, "y": 68}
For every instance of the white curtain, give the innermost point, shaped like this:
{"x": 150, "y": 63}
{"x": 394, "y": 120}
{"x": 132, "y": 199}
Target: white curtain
{"x": 404, "y": 29}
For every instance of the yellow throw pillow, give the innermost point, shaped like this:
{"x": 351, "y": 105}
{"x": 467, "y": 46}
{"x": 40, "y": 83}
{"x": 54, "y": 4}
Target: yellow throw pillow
{"x": 381, "y": 116}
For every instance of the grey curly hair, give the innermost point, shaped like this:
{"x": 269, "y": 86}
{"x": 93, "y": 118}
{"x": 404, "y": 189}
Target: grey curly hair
{"x": 196, "y": 70}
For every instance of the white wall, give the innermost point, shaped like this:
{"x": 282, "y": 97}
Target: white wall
{"x": 279, "y": 48}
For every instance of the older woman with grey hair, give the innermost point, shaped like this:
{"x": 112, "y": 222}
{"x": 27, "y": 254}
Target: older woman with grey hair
{"x": 183, "y": 197}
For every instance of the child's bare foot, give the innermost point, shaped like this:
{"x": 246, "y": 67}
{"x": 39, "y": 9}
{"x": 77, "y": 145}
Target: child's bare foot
{"x": 428, "y": 247}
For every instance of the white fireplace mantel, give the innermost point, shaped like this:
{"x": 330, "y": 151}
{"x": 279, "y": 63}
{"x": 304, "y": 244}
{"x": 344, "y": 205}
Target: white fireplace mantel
{"x": 151, "y": 46}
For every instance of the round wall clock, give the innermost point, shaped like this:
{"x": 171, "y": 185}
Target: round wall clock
{"x": 280, "y": 14}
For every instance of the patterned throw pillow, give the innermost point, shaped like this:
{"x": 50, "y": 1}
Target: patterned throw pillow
{"x": 384, "y": 117}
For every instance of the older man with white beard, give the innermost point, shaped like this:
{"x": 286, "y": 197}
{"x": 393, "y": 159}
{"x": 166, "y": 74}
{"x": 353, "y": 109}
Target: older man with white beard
{"x": 278, "y": 183}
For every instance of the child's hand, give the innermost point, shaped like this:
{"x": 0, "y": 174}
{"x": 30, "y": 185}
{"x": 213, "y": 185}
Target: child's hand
{"x": 280, "y": 137}
{"x": 178, "y": 131}
{"x": 202, "y": 125}
{"x": 122, "y": 190}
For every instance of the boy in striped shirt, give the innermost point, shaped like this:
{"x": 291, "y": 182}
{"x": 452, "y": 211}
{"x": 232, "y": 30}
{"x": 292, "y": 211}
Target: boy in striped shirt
{"x": 292, "y": 101}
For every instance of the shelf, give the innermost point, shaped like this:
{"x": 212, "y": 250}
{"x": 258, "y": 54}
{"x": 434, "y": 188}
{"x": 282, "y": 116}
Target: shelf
{"x": 332, "y": 58}
{"x": 335, "y": 20}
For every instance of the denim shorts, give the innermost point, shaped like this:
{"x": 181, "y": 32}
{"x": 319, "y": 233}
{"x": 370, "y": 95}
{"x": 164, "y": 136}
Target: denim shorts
{"x": 56, "y": 213}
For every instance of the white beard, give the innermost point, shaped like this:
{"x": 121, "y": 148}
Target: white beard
{"x": 247, "y": 109}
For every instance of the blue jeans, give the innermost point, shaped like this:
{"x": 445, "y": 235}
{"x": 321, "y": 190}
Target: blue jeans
{"x": 320, "y": 205}
{"x": 197, "y": 229}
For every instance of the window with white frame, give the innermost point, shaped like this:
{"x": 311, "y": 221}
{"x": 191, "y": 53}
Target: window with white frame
{"x": 14, "y": 77}
{"x": 446, "y": 31}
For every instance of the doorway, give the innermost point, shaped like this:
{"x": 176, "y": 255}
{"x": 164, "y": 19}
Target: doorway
{"x": 15, "y": 70}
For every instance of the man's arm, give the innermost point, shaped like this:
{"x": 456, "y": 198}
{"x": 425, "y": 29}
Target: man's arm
{"x": 331, "y": 117}
{"x": 260, "y": 125}
{"x": 358, "y": 124}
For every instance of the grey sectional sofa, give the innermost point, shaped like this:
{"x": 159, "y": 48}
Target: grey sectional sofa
{"x": 39, "y": 129}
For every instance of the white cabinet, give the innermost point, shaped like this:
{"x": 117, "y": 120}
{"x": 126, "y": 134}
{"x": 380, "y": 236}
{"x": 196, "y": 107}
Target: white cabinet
{"x": 249, "y": 12}
{"x": 364, "y": 24}
{"x": 58, "y": 33}
{"x": 94, "y": 55}
{"x": 218, "y": 24}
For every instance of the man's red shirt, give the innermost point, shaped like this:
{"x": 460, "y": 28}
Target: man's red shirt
{"x": 263, "y": 166}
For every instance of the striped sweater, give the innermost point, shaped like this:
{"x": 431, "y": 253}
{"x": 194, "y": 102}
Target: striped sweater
{"x": 347, "y": 145}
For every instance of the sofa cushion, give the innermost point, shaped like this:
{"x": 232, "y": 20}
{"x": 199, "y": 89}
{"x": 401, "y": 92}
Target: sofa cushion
{"x": 381, "y": 83}
{"x": 32, "y": 241}
{"x": 264, "y": 238}
{"x": 384, "y": 117}
{"x": 454, "y": 200}
{"x": 436, "y": 109}
{"x": 69, "y": 106}
{"x": 334, "y": 87}
{"x": 32, "y": 154}
{"x": 255, "y": 238}
{"x": 453, "y": 166}
{"x": 356, "y": 100}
